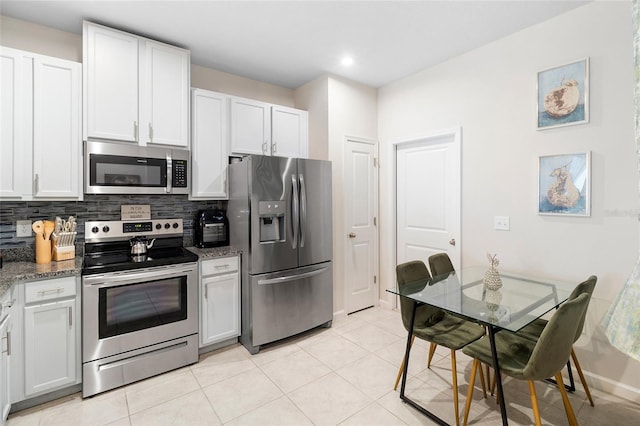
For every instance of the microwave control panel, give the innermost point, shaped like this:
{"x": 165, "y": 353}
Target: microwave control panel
{"x": 179, "y": 173}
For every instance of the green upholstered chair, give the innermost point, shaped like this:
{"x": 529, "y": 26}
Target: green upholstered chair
{"x": 439, "y": 264}
{"x": 433, "y": 324}
{"x": 525, "y": 359}
{"x": 534, "y": 330}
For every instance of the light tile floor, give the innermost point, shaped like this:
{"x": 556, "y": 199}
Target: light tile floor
{"x": 343, "y": 375}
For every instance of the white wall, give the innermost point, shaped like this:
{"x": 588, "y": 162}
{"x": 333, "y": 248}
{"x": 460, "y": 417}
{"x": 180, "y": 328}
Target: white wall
{"x": 314, "y": 97}
{"x": 491, "y": 93}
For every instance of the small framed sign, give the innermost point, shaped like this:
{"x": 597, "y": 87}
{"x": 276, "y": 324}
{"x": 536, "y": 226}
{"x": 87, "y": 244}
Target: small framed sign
{"x": 135, "y": 212}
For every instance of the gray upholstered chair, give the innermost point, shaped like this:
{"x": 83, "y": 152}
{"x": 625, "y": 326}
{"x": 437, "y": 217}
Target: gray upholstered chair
{"x": 534, "y": 330}
{"x": 433, "y": 324}
{"x": 525, "y": 359}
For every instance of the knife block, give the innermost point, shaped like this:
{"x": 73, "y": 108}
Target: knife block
{"x": 43, "y": 250}
{"x": 63, "y": 252}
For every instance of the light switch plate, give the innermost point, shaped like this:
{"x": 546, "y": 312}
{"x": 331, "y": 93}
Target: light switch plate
{"x": 23, "y": 228}
{"x": 501, "y": 223}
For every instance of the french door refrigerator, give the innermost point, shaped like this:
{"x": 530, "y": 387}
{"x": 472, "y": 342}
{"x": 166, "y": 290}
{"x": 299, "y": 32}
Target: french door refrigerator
{"x": 280, "y": 217}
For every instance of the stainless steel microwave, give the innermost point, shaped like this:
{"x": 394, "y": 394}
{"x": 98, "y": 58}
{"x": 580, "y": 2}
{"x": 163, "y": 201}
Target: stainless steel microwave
{"x": 116, "y": 168}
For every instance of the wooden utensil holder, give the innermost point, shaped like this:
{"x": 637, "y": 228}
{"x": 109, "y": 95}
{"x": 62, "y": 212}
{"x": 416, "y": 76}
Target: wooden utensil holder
{"x": 43, "y": 250}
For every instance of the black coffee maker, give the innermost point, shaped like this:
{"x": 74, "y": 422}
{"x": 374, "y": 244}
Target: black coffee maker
{"x": 211, "y": 229}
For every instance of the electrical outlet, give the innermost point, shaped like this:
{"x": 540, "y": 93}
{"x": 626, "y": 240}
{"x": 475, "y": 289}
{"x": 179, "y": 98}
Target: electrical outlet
{"x": 501, "y": 223}
{"x": 23, "y": 228}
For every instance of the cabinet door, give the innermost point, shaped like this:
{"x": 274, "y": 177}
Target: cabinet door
{"x": 250, "y": 127}
{"x": 220, "y": 318}
{"x": 56, "y": 128}
{"x": 49, "y": 346}
{"x": 12, "y": 138}
{"x": 110, "y": 83}
{"x": 209, "y": 155}
{"x": 5, "y": 357}
{"x": 289, "y": 128}
{"x": 164, "y": 81}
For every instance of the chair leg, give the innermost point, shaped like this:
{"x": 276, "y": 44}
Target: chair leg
{"x": 454, "y": 378}
{"x": 484, "y": 386}
{"x": 534, "y": 403}
{"x": 401, "y": 370}
{"x": 565, "y": 400}
{"x": 472, "y": 381}
{"x": 584, "y": 382}
{"x": 432, "y": 350}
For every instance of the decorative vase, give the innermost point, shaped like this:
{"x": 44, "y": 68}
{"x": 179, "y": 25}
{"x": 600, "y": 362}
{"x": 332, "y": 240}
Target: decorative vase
{"x": 492, "y": 279}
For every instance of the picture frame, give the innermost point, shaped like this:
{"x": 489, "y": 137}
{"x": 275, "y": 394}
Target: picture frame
{"x": 563, "y": 95}
{"x": 564, "y": 184}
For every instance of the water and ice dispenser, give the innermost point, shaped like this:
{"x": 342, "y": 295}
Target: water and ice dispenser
{"x": 271, "y": 221}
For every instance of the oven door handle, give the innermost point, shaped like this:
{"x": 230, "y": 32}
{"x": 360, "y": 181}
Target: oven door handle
{"x": 108, "y": 280}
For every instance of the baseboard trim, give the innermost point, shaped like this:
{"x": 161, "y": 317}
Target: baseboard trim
{"x": 607, "y": 385}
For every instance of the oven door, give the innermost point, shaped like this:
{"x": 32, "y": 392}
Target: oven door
{"x": 123, "y": 311}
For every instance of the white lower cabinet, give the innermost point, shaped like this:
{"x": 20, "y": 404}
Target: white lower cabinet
{"x": 6, "y": 325}
{"x": 50, "y": 349}
{"x": 219, "y": 300}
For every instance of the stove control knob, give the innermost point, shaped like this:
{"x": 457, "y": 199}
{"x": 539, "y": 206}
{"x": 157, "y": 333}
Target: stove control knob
{"x": 158, "y": 225}
{"x": 167, "y": 226}
{"x": 105, "y": 228}
{"x": 95, "y": 229}
{"x": 175, "y": 225}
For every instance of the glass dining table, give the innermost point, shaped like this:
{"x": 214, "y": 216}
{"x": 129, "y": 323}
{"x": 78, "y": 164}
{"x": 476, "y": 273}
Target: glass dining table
{"x": 519, "y": 301}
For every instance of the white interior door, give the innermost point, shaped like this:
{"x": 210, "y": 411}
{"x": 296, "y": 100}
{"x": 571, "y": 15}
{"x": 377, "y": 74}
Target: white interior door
{"x": 428, "y": 198}
{"x": 361, "y": 204}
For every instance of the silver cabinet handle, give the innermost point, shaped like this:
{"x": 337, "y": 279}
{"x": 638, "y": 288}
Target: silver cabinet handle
{"x": 70, "y": 316}
{"x": 225, "y": 266}
{"x": 206, "y": 293}
{"x": 135, "y": 131}
{"x": 53, "y": 290}
{"x": 264, "y": 147}
{"x": 36, "y": 183}
{"x": 273, "y": 147}
{"x": 150, "y": 132}
{"x": 9, "y": 343}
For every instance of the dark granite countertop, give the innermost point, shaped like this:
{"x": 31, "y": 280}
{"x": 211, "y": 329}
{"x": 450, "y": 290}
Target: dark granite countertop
{"x": 13, "y": 272}
{"x": 213, "y": 252}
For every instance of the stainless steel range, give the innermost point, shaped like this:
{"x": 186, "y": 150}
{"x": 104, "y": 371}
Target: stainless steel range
{"x": 139, "y": 302}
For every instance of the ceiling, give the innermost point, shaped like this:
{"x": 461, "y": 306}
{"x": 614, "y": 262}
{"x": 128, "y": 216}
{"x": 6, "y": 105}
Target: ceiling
{"x": 289, "y": 43}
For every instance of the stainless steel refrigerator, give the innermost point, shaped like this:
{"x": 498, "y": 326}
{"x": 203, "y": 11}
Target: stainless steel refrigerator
{"x": 280, "y": 217}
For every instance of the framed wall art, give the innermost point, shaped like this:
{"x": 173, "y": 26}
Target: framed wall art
{"x": 564, "y": 184}
{"x": 563, "y": 95}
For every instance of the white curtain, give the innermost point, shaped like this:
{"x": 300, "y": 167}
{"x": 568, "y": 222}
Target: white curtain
{"x": 622, "y": 323}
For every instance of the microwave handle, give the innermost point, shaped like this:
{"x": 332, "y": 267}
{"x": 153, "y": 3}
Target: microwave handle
{"x": 169, "y": 174}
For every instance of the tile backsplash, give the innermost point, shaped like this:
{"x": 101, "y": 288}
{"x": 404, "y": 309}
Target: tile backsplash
{"x": 94, "y": 207}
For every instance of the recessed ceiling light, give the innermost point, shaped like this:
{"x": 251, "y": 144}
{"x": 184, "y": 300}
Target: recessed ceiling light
{"x": 347, "y": 61}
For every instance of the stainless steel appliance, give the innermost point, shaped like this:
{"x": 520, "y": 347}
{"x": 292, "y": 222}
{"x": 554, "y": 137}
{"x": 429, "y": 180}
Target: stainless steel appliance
{"x": 139, "y": 311}
{"x": 280, "y": 217}
{"x": 117, "y": 168}
{"x": 211, "y": 228}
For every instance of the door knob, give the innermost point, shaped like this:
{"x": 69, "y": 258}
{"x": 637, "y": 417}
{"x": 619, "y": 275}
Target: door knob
{"x": 352, "y": 235}
{"x": 452, "y": 241}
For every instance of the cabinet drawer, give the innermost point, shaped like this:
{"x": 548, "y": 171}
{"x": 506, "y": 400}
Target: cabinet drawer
{"x": 219, "y": 266}
{"x": 38, "y": 291}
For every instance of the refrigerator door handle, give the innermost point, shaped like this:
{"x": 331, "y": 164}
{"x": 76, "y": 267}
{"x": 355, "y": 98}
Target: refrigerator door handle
{"x": 303, "y": 210}
{"x": 295, "y": 214}
{"x": 292, "y": 277}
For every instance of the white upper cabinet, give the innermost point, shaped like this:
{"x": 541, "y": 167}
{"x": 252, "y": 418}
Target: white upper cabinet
{"x": 250, "y": 127}
{"x": 262, "y": 128}
{"x": 290, "y": 133}
{"x": 136, "y": 89}
{"x": 209, "y": 156}
{"x": 41, "y": 141}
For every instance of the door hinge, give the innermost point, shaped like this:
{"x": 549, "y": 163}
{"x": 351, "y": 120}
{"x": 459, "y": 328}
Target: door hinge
{"x": 375, "y": 162}
{"x": 375, "y": 221}
{"x": 375, "y": 279}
